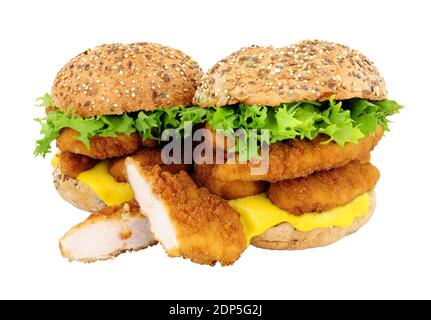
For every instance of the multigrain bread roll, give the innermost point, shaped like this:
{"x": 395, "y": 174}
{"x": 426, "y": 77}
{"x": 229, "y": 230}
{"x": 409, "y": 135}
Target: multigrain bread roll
{"x": 112, "y": 79}
{"x": 308, "y": 70}
{"x": 77, "y": 193}
{"x": 319, "y": 106}
{"x": 284, "y": 236}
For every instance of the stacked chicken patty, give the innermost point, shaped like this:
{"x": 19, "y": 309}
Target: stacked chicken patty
{"x": 315, "y": 110}
{"x": 324, "y": 107}
{"x": 109, "y": 103}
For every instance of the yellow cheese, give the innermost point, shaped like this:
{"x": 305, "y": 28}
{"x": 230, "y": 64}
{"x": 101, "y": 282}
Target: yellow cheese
{"x": 105, "y": 186}
{"x": 56, "y": 160}
{"x": 258, "y": 214}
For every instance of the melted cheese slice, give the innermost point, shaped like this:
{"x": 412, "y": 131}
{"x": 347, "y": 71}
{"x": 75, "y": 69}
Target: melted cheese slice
{"x": 55, "y": 161}
{"x": 99, "y": 180}
{"x": 258, "y": 214}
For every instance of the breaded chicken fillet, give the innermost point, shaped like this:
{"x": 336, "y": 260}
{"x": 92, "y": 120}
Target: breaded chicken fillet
{"x": 146, "y": 157}
{"x": 299, "y": 158}
{"x": 101, "y": 148}
{"x": 324, "y": 190}
{"x": 72, "y": 164}
{"x": 187, "y": 220}
{"x": 105, "y": 235}
{"x": 203, "y": 176}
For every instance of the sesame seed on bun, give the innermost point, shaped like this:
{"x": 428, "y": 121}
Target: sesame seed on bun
{"x": 117, "y": 78}
{"x": 308, "y": 70}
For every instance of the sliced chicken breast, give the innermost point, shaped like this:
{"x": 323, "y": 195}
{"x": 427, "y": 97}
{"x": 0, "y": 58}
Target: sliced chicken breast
{"x": 187, "y": 220}
{"x": 105, "y": 236}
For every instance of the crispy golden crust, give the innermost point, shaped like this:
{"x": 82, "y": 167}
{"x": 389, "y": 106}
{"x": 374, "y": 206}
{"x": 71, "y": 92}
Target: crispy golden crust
{"x": 207, "y": 228}
{"x": 299, "y": 158}
{"x": 285, "y": 237}
{"x": 308, "y": 70}
{"x": 226, "y": 189}
{"x": 324, "y": 190}
{"x": 215, "y": 141}
{"x": 100, "y": 147}
{"x": 146, "y": 157}
{"x": 72, "y": 164}
{"x": 150, "y": 143}
{"x": 222, "y": 143}
{"x": 119, "y": 78}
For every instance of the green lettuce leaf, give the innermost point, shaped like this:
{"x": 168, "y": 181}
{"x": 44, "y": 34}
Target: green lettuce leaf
{"x": 338, "y": 125}
{"x": 363, "y": 110}
{"x": 341, "y": 121}
{"x": 56, "y": 120}
{"x": 149, "y": 125}
{"x": 123, "y": 124}
{"x": 44, "y": 101}
{"x": 152, "y": 124}
{"x": 195, "y": 115}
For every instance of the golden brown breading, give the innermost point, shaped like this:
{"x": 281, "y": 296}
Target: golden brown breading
{"x": 324, "y": 190}
{"x": 150, "y": 143}
{"x": 146, "y": 157}
{"x": 72, "y": 164}
{"x": 187, "y": 220}
{"x": 226, "y": 189}
{"x": 220, "y": 142}
{"x": 299, "y": 158}
{"x": 365, "y": 159}
{"x": 100, "y": 147}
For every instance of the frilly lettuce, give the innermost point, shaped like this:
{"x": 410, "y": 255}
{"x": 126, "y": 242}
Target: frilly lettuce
{"x": 342, "y": 121}
{"x": 149, "y": 125}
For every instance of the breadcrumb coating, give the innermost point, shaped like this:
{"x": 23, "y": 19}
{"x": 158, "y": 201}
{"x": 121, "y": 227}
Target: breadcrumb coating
{"x": 100, "y": 147}
{"x": 145, "y": 157}
{"x": 72, "y": 164}
{"x": 300, "y": 158}
{"x": 203, "y": 176}
{"x": 324, "y": 190}
{"x": 206, "y": 228}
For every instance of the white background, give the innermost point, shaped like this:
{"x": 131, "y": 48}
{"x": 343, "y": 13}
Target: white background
{"x": 388, "y": 258}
